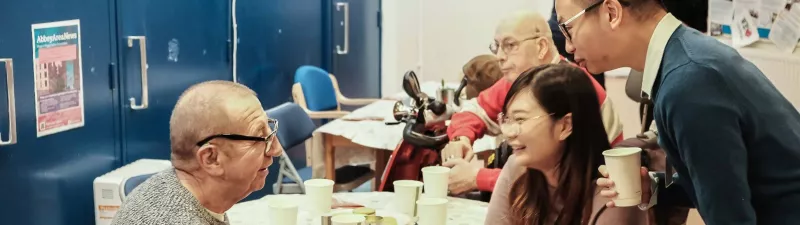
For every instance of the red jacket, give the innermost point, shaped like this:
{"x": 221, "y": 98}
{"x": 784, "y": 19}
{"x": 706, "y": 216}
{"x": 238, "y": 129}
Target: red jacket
{"x": 470, "y": 125}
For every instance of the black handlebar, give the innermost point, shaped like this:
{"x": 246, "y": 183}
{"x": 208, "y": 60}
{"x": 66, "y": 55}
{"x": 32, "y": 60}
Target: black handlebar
{"x": 415, "y": 130}
{"x": 438, "y": 108}
{"x": 457, "y": 95}
{"x": 411, "y": 134}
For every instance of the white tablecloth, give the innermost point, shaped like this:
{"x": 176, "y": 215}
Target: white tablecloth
{"x": 376, "y": 134}
{"x": 459, "y": 211}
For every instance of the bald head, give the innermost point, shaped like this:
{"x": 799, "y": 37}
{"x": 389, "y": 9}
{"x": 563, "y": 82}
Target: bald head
{"x": 524, "y": 23}
{"x": 526, "y": 42}
{"x": 209, "y": 108}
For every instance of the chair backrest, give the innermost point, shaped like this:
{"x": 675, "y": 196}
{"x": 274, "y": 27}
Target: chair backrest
{"x": 134, "y": 182}
{"x": 317, "y": 88}
{"x": 296, "y": 125}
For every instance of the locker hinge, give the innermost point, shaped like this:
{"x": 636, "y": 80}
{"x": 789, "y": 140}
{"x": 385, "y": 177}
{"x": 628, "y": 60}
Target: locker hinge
{"x": 380, "y": 19}
{"x": 112, "y": 71}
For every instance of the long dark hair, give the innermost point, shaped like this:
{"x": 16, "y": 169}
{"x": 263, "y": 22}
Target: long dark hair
{"x": 561, "y": 89}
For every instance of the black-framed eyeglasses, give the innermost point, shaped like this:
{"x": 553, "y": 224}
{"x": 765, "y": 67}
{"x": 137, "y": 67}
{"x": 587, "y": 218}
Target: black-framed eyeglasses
{"x": 272, "y": 123}
{"x": 509, "y": 46}
{"x": 563, "y": 26}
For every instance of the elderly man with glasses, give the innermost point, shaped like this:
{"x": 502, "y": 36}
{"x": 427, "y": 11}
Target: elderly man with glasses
{"x": 222, "y": 144}
{"x": 732, "y": 137}
{"x": 522, "y": 41}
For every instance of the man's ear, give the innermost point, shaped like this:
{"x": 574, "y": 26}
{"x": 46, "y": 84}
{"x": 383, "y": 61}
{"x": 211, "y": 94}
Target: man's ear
{"x": 208, "y": 157}
{"x": 615, "y": 13}
{"x": 566, "y": 127}
{"x": 543, "y": 48}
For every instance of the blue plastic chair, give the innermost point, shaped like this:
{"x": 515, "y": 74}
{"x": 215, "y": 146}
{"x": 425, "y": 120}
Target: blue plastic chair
{"x": 297, "y": 128}
{"x": 317, "y": 92}
{"x": 134, "y": 182}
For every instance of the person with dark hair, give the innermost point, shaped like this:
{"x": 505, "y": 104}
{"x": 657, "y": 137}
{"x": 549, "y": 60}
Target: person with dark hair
{"x": 550, "y": 120}
{"x": 732, "y": 137}
{"x": 560, "y": 42}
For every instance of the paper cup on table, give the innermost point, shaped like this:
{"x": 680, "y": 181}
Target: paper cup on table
{"x": 319, "y": 193}
{"x": 348, "y": 219}
{"x": 406, "y": 194}
{"x": 432, "y": 211}
{"x": 623, "y": 166}
{"x": 435, "y": 178}
{"x": 282, "y": 211}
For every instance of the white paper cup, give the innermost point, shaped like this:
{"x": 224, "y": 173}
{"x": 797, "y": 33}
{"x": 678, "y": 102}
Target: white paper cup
{"x": 319, "y": 193}
{"x": 432, "y": 211}
{"x": 282, "y": 212}
{"x": 623, "y": 165}
{"x": 406, "y": 194}
{"x": 348, "y": 219}
{"x": 435, "y": 178}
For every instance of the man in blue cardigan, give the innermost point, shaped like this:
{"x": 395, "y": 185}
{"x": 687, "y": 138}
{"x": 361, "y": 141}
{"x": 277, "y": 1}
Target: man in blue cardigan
{"x": 733, "y": 139}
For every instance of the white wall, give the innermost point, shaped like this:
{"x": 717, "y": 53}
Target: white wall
{"x": 441, "y": 35}
{"x": 400, "y": 42}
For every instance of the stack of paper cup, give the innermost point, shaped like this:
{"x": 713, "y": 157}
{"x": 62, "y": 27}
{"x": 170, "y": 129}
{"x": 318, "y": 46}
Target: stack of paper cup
{"x": 436, "y": 179}
{"x": 432, "y": 211}
{"x": 282, "y": 211}
{"x": 348, "y": 219}
{"x": 319, "y": 193}
{"x": 406, "y": 194}
{"x": 623, "y": 165}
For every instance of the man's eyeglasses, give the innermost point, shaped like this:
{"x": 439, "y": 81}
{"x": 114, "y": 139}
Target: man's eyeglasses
{"x": 236, "y": 137}
{"x": 509, "y": 46}
{"x": 564, "y": 26}
{"x": 511, "y": 127}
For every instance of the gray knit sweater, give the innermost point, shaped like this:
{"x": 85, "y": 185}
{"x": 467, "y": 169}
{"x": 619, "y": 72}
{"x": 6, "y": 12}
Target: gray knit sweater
{"x": 163, "y": 200}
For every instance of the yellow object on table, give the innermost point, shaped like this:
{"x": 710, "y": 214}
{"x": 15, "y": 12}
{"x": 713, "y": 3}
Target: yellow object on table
{"x": 364, "y": 211}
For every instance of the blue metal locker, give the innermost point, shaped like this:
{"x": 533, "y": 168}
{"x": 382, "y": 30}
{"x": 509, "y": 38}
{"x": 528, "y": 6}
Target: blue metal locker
{"x": 184, "y": 42}
{"x": 48, "y": 180}
{"x": 354, "y": 53}
{"x": 275, "y": 38}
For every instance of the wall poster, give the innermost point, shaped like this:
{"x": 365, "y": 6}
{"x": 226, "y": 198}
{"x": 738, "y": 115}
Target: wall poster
{"x": 58, "y": 76}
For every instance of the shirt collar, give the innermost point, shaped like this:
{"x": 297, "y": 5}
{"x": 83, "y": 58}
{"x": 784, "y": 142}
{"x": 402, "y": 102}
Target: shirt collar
{"x": 218, "y": 216}
{"x": 655, "y": 51}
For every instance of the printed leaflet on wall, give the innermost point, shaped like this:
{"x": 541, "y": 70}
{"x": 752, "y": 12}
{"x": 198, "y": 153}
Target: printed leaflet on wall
{"x": 786, "y": 30}
{"x": 743, "y": 29}
{"x": 57, "y": 71}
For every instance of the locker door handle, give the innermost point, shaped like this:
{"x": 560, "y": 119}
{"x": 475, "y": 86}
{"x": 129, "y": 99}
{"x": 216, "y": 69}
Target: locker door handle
{"x": 346, "y": 6}
{"x": 143, "y": 49}
{"x": 12, "y": 112}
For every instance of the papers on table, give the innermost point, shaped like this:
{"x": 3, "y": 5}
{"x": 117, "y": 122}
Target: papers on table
{"x": 376, "y": 134}
{"x": 786, "y": 30}
{"x": 369, "y": 133}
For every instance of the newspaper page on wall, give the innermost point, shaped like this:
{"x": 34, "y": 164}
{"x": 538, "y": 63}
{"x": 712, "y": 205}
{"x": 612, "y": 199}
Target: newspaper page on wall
{"x": 786, "y": 30}
{"x": 720, "y": 12}
{"x": 58, "y": 77}
{"x": 764, "y": 12}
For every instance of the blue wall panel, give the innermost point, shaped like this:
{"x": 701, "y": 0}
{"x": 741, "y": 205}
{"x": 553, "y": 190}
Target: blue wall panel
{"x": 276, "y": 37}
{"x": 48, "y": 180}
{"x": 187, "y": 43}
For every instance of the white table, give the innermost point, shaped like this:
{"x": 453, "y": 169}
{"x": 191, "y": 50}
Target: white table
{"x": 374, "y": 135}
{"x": 459, "y": 211}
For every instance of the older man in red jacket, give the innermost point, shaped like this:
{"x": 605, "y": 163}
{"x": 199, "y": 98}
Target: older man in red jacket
{"x": 522, "y": 41}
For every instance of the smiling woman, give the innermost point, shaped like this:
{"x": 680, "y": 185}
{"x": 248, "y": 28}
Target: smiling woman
{"x": 550, "y": 119}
